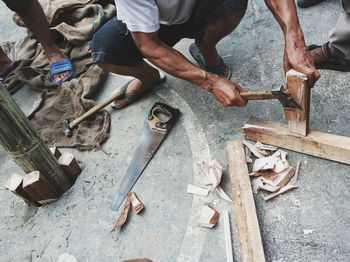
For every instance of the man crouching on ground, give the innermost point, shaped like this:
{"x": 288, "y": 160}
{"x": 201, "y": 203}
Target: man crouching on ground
{"x": 149, "y": 28}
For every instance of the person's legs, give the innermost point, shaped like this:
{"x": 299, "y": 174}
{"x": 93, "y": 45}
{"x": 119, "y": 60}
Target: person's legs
{"x": 114, "y": 51}
{"x": 34, "y": 18}
{"x": 216, "y": 31}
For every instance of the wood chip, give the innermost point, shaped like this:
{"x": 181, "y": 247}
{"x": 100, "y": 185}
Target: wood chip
{"x": 262, "y": 146}
{"x": 293, "y": 180}
{"x": 279, "y": 192}
{"x": 195, "y": 190}
{"x": 137, "y": 206}
{"x": 136, "y": 203}
{"x": 248, "y": 155}
{"x": 266, "y": 163}
{"x": 222, "y": 194}
{"x": 253, "y": 149}
{"x": 209, "y": 216}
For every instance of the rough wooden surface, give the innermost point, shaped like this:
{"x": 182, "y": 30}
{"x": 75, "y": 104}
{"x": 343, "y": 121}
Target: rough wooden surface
{"x": 14, "y": 184}
{"x": 69, "y": 165}
{"x": 298, "y": 119}
{"x": 23, "y": 144}
{"x": 39, "y": 189}
{"x": 246, "y": 218}
{"x": 55, "y": 151}
{"x": 316, "y": 143}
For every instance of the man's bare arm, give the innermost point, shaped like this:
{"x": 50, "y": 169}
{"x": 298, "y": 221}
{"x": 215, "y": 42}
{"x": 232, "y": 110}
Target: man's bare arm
{"x": 174, "y": 63}
{"x": 296, "y": 53}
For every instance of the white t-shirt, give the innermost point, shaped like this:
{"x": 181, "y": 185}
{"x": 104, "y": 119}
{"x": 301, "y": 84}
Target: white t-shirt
{"x": 146, "y": 15}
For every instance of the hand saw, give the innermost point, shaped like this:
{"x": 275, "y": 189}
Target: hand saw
{"x": 153, "y": 133}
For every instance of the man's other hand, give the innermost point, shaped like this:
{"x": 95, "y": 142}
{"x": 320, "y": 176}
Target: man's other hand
{"x": 297, "y": 56}
{"x": 227, "y": 93}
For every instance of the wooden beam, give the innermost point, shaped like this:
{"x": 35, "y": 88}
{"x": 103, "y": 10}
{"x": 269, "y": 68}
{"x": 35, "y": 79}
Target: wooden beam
{"x": 298, "y": 119}
{"x": 246, "y": 219}
{"x": 39, "y": 189}
{"x": 14, "y": 184}
{"x": 316, "y": 143}
{"x": 56, "y": 152}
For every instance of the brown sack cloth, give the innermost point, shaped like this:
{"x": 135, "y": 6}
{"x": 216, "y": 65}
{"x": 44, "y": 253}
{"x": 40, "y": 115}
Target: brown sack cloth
{"x": 73, "y": 24}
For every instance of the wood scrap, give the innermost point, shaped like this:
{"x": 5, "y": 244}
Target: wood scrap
{"x": 246, "y": 218}
{"x": 70, "y": 165}
{"x": 209, "y": 216}
{"x": 39, "y": 189}
{"x": 265, "y": 163}
{"x": 262, "y": 146}
{"x": 133, "y": 201}
{"x": 293, "y": 180}
{"x": 228, "y": 237}
{"x": 222, "y": 194}
{"x": 279, "y": 192}
{"x": 14, "y": 184}
{"x": 248, "y": 155}
{"x": 191, "y": 189}
{"x": 136, "y": 203}
{"x": 253, "y": 149}
{"x": 54, "y": 150}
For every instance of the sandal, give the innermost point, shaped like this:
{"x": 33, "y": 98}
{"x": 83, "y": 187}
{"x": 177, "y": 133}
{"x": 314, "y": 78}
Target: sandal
{"x": 62, "y": 66}
{"x": 334, "y": 62}
{"x": 133, "y": 97}
{"x": 197, "y": 55}
{"x": 5, "y": 74}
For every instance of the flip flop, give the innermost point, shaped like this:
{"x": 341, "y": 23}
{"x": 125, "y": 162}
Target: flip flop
{"x": 5, "y": 74}
{"x": 197, "y": 55}
{"x": 62, "y": 66}
{"x": 334, "y": 63}
{"x": 134, "y": 97}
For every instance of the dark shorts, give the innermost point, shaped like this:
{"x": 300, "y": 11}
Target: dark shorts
{"x": 113, "y": 43}
{"x": 18, "y": 5}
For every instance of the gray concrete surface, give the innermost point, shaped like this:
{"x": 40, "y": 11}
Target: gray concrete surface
{"x": 79, "y": 223}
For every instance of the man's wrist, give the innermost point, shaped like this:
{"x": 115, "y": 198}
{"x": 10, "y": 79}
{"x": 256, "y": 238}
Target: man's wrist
{"x": 207, "y": 81}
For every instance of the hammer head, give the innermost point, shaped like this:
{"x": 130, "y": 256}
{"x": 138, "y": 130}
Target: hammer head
{"x": 65, "y": 127}
{"x": 285, "y": 99}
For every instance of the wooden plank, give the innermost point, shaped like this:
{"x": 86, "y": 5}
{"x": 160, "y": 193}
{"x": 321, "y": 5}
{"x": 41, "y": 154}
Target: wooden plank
{"x": 228, "y": 237}
{"x": 55, "y": 151}
{"x": 298, "y": 119}
{"x": 70, "y": 165}
{"x": 14, "y": 184}
{"x": 37, "y": 186}
{"x": 246, "y": 219}
{"x": 316, "y": 143}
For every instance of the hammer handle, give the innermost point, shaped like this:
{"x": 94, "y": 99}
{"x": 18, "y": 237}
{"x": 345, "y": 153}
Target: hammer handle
{"x": 96, "y": 108}
{"x": 257, "y": 95}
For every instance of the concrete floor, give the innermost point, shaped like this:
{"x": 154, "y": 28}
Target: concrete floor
{"x": 80, "y": 222}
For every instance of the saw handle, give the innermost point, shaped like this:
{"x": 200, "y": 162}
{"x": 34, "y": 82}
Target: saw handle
{"x": 257, "y": 95}
{"x": 169, "y": 111}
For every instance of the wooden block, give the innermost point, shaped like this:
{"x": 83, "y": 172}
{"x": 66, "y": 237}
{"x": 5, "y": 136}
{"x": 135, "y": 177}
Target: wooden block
{"x": 39, "y": 189}
{"x": 69, "y": 165}
{"x": 246, "y": 219}
{"x": 298, "y": 119}
{"x": 316, "y": 143}
{"x": 54, "y": 150}
{"x": 14, "y": 184}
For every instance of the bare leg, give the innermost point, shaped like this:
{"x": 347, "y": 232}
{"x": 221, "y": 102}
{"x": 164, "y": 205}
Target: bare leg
{"x": 215, "y": 32}
{"x": 145, "y": 75}
{"x": 5, "y": 62}
{"x": 35, "y": 20}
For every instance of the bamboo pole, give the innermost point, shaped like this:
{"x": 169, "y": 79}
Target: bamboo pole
{"x": 24, "y": 145}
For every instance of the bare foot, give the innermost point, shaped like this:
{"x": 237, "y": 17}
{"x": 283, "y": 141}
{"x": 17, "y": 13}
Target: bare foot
{"x": 212, "y": 59}
{"x": 137, "y": 87}
{"x": 318, "y": 55}
{"x": 55, "y": 57}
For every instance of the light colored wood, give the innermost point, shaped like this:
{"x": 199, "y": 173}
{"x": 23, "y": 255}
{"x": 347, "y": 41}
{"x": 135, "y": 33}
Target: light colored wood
{"x": 279, "y": 192}
{"x": 298, "y": 119}
{"x": 39, "y": 189}
{"x": 70, "y": 165}
{"x": 228, "y": 237}
{"x": 195, "y": 190}
{"x": 246, "y": 218}
{"x": 209, "y": 216}
{"x": 54, "y": 150}
{"x": 257, "y": 95}
{"x": 316, "y": 143}
{"x": 14, "y": 184}
{"x": 24, "y": 145}
{"x": 136, "y": 203}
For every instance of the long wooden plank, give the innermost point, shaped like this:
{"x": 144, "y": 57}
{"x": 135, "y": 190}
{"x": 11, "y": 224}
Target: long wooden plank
{"x": 298, "y": 119}
{"x": 316, "y": 143}
{"x": 246, "y": 219}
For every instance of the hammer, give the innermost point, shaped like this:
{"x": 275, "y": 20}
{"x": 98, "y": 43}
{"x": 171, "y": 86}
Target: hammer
{"x": 67, "y": 126}
{"x": 277, "y": 92}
